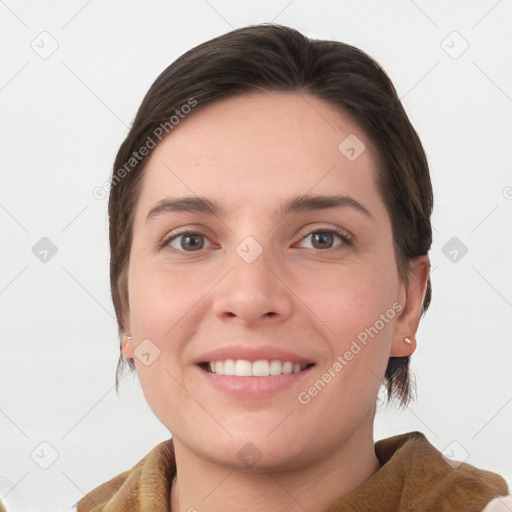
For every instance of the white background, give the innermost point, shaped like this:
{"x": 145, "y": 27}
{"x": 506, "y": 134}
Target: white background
{"x": 62, "y": 120}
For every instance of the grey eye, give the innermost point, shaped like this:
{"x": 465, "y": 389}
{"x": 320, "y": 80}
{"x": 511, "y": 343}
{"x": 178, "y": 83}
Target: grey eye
{"x": 322, "y": 239}
{"x": 188, "y": 242}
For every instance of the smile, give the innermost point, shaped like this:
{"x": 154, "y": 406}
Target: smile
{"x": 261, "y": 368}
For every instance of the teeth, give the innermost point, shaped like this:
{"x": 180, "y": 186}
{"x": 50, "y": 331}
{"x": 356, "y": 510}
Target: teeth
{"x": 275, "y": 367}
{"x": 262, "y": 368}
{"x": 242, "y": 368}
{"x": 229, "y": 367}
{"x": 287, "y": 368}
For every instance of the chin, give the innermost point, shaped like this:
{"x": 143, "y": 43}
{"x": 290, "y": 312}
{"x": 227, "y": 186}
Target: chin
{"x": 254, "y": 452}
{"x": 249, "y": 458}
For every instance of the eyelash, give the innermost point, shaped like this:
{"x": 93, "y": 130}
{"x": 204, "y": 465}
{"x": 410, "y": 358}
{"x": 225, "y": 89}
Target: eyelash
{"x": 345, "y": 238}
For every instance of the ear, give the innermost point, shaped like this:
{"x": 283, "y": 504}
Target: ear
{"x": 411, "y": 297}
{"x": 127, "y": 347}
{"x": 127, "y": 342}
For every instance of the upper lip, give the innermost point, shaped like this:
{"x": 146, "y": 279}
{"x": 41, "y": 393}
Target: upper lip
{"x": 250, "y": 353}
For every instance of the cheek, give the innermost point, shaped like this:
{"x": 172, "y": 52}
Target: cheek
{"x": 165, "y": 306}
{"x": 160, "y": 318}
{"x": 358, "y": 310}
{"x": 161, "y": 300}
{"x": 353, "y": 299}
{"x": 358, "y": 313}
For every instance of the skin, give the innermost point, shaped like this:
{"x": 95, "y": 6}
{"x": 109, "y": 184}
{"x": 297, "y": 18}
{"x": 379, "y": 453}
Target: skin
{"x": 251, "y": 154}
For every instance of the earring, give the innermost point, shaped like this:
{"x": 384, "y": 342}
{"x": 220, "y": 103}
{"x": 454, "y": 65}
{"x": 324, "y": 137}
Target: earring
{"x": 407, "y": 340}
{"x": 126, "y": 340}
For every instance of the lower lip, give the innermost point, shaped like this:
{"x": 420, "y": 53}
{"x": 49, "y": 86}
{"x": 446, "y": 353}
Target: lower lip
{"x": 253, "y": 387}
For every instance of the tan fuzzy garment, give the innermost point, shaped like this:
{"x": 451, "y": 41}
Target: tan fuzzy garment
{"x": 414, "y": 477}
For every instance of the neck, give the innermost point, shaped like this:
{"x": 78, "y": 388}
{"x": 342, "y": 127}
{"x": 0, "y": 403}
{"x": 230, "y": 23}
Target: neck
{"x": 206, "y": 487}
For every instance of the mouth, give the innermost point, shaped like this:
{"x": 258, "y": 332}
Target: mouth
{"x": 260, "y": 368}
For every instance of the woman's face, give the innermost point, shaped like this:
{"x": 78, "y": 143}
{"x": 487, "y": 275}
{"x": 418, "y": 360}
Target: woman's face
{"x": 249, "y": 271}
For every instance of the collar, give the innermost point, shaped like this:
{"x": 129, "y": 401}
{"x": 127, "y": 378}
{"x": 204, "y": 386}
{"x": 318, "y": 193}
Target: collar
{"x": 414, "y": 476}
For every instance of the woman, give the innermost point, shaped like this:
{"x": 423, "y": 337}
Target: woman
{"x": 269, "y": 231}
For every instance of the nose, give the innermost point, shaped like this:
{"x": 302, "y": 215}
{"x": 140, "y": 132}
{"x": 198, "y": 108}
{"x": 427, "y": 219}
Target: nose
{"x": 253, "y": 293}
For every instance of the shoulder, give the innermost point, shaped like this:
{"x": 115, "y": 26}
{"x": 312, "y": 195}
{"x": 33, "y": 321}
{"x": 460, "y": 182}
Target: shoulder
{"x": 435, "y": 480}
{"x": 124, "y": 489}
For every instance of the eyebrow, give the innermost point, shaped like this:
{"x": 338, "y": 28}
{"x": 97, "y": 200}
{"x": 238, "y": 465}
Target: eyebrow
{"x": 317, "y": 202}
{"x": 197, "y": 204}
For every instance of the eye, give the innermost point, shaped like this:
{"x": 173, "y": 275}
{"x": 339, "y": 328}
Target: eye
{"x": 323, "y": 239}
{"x": 186, "y": 242}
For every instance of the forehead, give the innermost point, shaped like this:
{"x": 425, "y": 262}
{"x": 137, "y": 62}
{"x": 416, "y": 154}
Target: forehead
{"x": 267, "y": 146}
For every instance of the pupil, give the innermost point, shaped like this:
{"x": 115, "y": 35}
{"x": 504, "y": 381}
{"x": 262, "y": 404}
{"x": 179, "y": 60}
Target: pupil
{"x": 323, "y": 237}
{"x": 189, "y": 240}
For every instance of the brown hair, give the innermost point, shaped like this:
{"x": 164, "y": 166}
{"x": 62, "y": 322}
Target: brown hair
{"x": 277, "y": 58}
